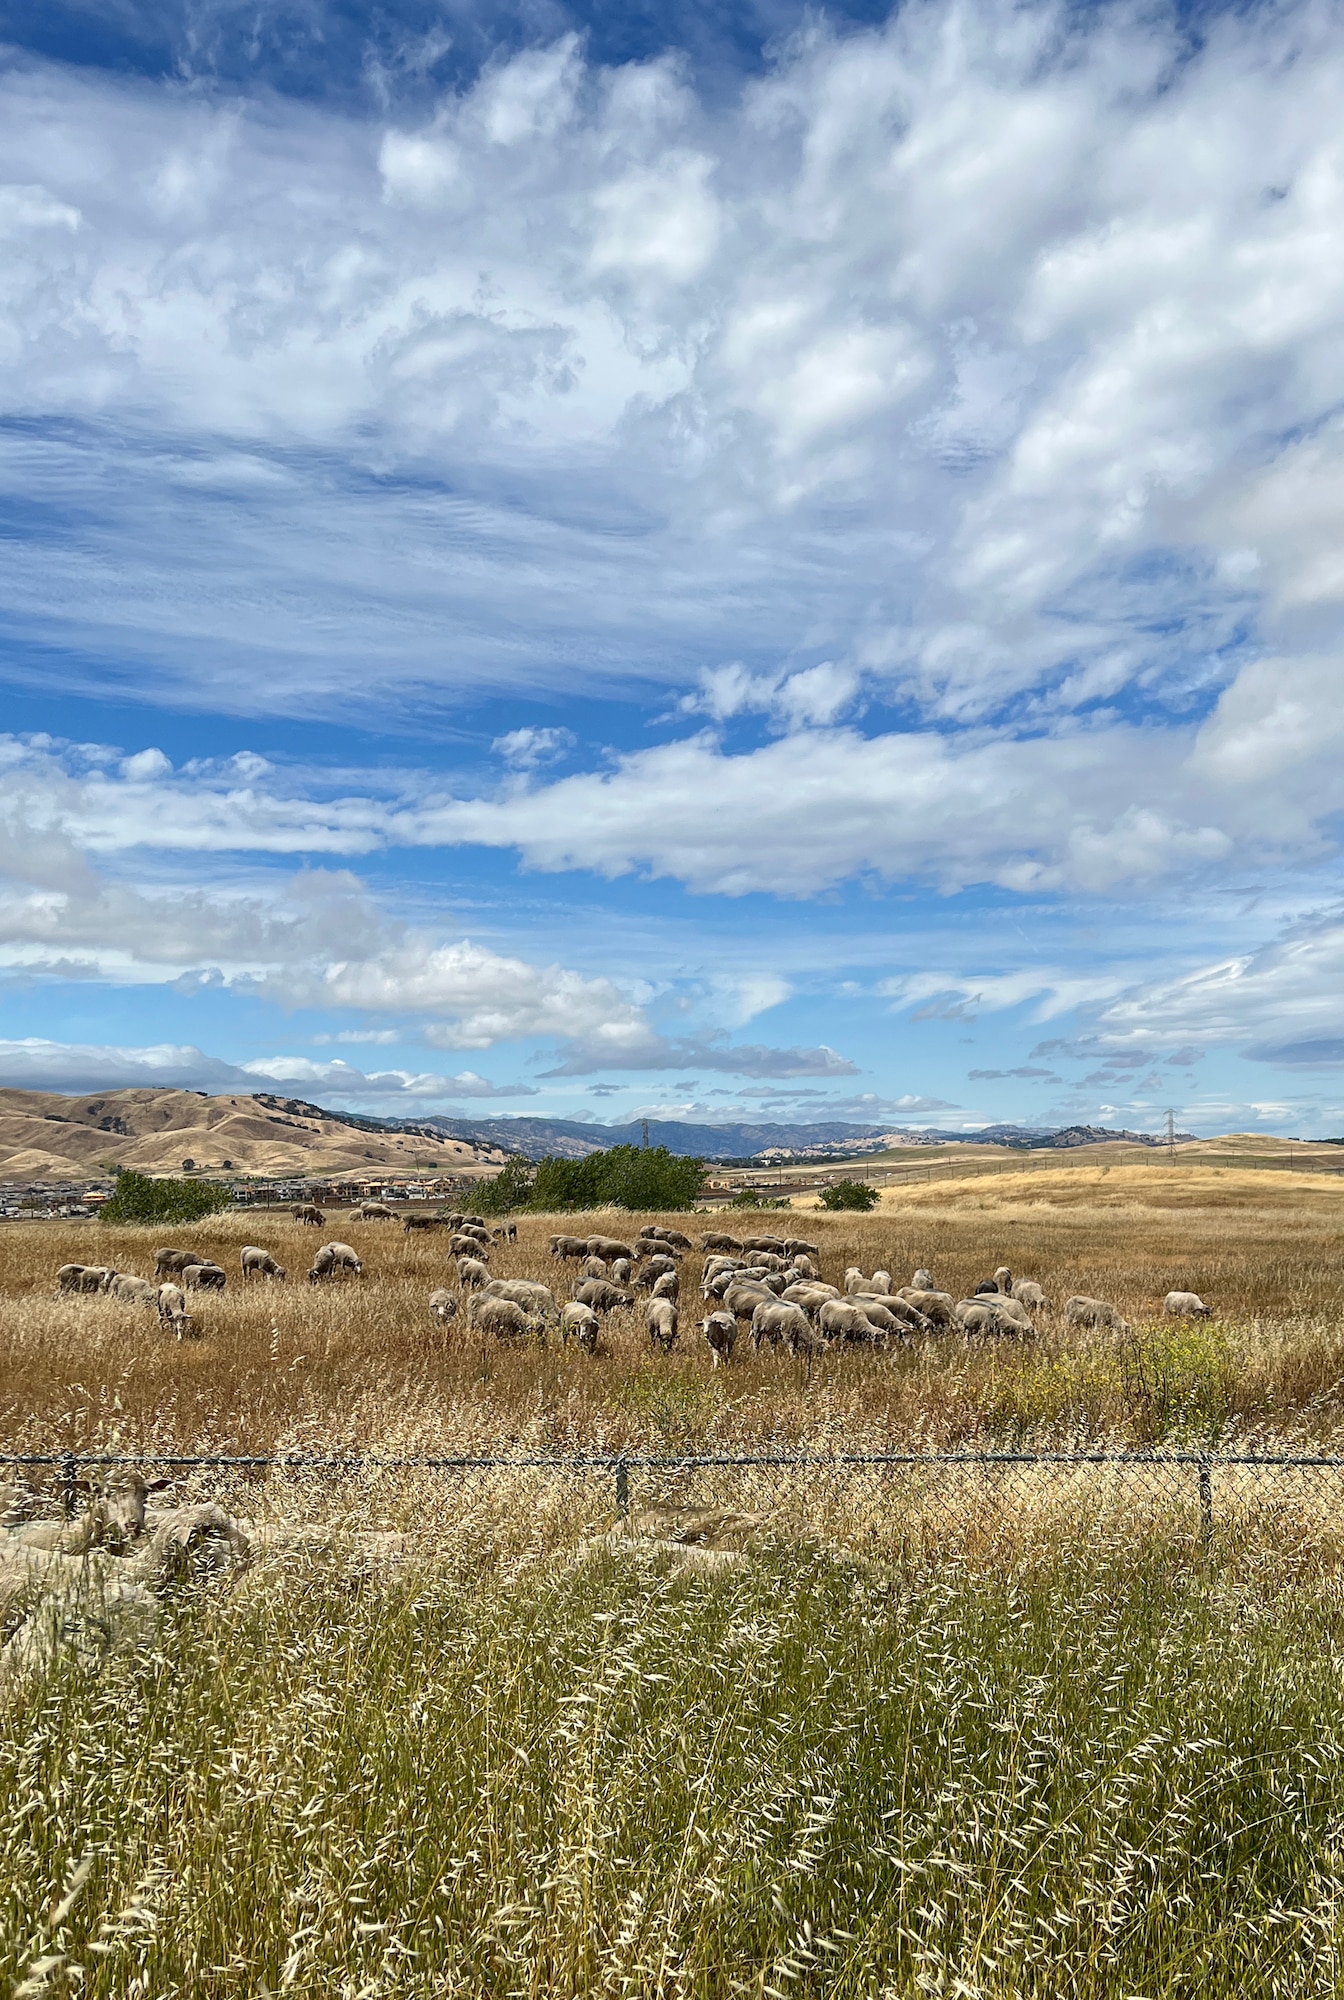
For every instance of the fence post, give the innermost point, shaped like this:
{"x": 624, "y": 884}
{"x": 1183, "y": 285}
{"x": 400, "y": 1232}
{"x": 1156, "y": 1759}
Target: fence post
{"x": 69, "y": 1482}
{"x": 622, "y": 1489}
{"x": 1205, "y": 1504}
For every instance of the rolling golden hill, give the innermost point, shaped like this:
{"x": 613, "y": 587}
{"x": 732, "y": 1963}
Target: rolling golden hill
{"x": 44, "y": 1137}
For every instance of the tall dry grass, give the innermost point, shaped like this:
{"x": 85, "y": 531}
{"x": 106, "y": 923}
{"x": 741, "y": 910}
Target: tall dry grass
{"x": 599, "y": 1773}
{"x": 361, "y": 1365}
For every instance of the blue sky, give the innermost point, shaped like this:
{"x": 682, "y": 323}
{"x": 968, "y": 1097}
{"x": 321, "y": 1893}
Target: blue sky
{"x": 724, "y": 561}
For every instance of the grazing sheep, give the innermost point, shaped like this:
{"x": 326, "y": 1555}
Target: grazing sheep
{"x": 373, "y": 1211}
{"x": 462, "y": 1245}
{"x": 654, "y": 1268}
{"x": 923, "y": 1282}
{"x": 443, "y": 1305}
{"x": 714, "y": 1239}
{"x": 334, "y": 1257}
{"x": 845, "y": 1319}
{"x": 260, "y": 1264}
{"x": 784, "y": 1326}
{"x": 1083, "y": 1311}
{"x": 581, "y": 1322}
{"x": 880, "y": 1282}
{"x": 507, "y": 1232}
{"x": 720, "y": 1330}
{"x": 938, "y": 1308}
{"x": 660, "y": 1320}
{"x": 410, "y": 1222}
{"x": 172, "y": 1301}
{"x": 667, "y": 1286}
{"x": 608, "y": 1247}
{"x": 810, "y": 1294}
{"x": 203, "y": 1277}
{"x": 502, "y": 1317}
{"x": 986, "y": 1289}
{"x": 804, "y": 1265}
{"x": 595, "y": 1267}
{"x": 855, "y": 1280}
{"x": 676, "y": 1239}
{"x": 84, "y": 1278}
{"x": 529, "y": 1293}
{"x": 794, "y": 1246}
{"x": 1028, "y": 1293}
{"x": 568, "y": 1246}
{"x": 135, "y": 1292}
{"x": 309, "y": 1212}
{"x": 619, "y": 1272}
{"x": 741, "y": 1299}
{"x": 601, "y": 1296}
{"x": 983, "y": 1317}
{"x": 1186, "y": 1305}
{"x": 1003, "y": 1279}
{"x": 478, "y": 1232}
{"x": 763, "y": 1243}
{"x": 891, "y": 1315}
{"x": 472, "y": 1273}
{"x": 168, "y": 1262}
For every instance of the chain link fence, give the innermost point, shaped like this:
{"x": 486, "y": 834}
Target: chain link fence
{"x": 892, "y": 1499}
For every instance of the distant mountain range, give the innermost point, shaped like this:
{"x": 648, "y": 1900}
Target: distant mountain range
{"x": 571, "y": 1139}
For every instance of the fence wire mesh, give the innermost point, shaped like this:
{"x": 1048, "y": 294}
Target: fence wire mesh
{"x": 920, "y": 1500}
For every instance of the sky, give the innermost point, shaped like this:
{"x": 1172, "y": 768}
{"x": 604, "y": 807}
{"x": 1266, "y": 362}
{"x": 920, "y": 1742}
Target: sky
{"x": 725, "y": 562}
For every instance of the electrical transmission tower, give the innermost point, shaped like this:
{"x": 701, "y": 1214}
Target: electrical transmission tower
{"x": 1171, "y": 1135}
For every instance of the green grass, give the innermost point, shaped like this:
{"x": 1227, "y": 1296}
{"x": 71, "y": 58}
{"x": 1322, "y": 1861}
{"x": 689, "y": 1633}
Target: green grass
{"x": 1113, "y": 1771}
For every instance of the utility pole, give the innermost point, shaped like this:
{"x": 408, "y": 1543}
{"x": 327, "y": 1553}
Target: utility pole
{"x": 1171, "y": 1136}
{"x": 645, "y": 1125}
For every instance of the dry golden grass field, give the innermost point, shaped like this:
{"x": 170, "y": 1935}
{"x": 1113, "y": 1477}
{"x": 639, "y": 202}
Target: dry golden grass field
{"x": 361, "y": 1364}
{"x": 1005, "y": 1739}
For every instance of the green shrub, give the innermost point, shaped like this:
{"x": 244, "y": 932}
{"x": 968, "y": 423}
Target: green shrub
{"x": 850, "y": 1194}
{"x": 508, "y": 1190}
{"x": 138, "y": 1198}
{"x": 636, "y": 1177}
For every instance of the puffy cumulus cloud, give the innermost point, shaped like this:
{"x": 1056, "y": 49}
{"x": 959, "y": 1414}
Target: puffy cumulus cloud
{"x": 647, "y": 1050}
{"x": 485, "y": 996}
{"x": 990, "y": 353}
{"x": 74, "y": 1067}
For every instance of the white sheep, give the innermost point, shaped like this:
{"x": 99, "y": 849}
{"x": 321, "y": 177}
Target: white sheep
{"x": 443, "y": 1305}
{"x": 260, "y": 1264}
{"x": 1186, "y": 1305}
{"x": 1083, "y": 1311}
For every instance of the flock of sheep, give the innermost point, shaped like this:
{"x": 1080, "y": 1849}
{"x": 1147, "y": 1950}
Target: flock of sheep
{"x": 771, "y": 1285}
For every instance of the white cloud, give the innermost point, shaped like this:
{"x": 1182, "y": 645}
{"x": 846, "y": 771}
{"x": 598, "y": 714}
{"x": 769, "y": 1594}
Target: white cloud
{"x": 992, "y": 352}
{"x": 1284, "y": 1001}
{"x": 75, "y": 1068}
{"x": 643, "y": 1049}
{"x": 527, "y": 747}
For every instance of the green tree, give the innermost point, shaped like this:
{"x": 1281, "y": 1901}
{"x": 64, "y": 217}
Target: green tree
{"x": 850, "y": 1194}
{"x": 138, "y": 1198}
{"x": 634, "y": 1177}
{"x": 508, "y": 1190}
